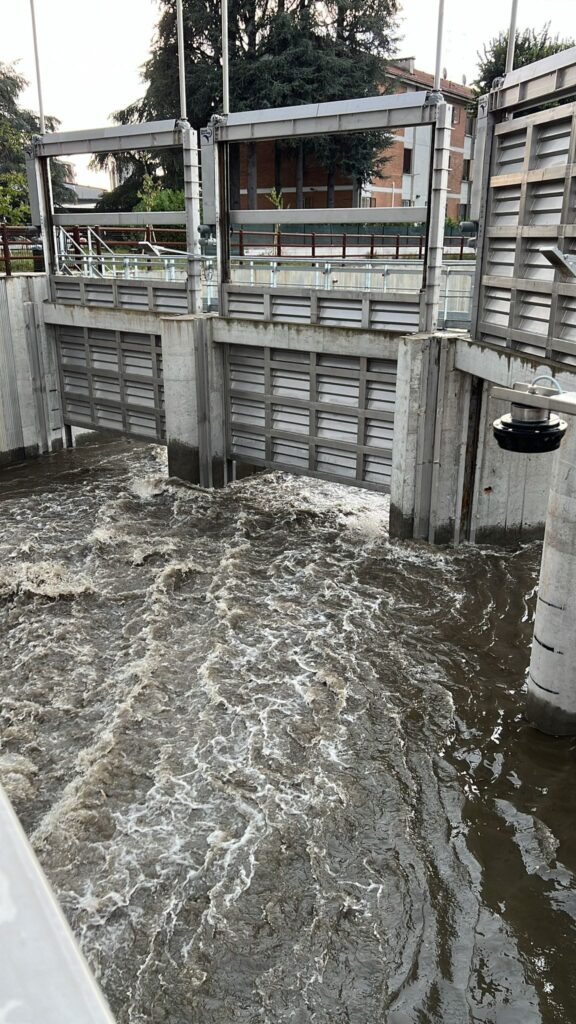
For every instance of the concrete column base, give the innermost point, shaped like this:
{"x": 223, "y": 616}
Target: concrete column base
{"x": 194, "y": 400}
{"x": 184, "y": 463}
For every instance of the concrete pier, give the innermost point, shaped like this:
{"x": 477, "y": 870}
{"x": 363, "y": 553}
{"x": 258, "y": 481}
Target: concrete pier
{"x": 30, "y": 416}
{"x": 194, "y": 396}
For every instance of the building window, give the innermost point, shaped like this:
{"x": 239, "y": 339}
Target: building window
{"x": 456, "y": 115}
{"x": 463, "y": 211}
{"x": 406, "y": 202}
{"x": 407, "y": 161}
{"x": 470, "y": 125}
{"x": 368, "y": 202}
{"x": 465, "y": 170}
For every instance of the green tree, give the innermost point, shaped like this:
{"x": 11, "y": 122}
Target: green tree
{"x": 282, "y": 52}
{"x": 531, "y": 45}
{"x": 17, "y": 126}
{"x": 154, "y": 197}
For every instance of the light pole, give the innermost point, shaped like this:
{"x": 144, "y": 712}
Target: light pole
{"x": 439, "y": 45}
{"x": 181, "y": 66}
{"x": 225, "y": 62}
{"x": 36, "y": 58}
{"x": 511, "y": 37}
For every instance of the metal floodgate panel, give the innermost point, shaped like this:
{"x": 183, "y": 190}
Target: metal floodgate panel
{"x": 524, "y": 303}
{"x": 323, "y": 415}
{"x": 112, "y": 380}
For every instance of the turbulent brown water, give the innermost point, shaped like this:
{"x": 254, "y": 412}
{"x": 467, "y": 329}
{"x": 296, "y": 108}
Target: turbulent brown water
{"x": 273, "y": 763}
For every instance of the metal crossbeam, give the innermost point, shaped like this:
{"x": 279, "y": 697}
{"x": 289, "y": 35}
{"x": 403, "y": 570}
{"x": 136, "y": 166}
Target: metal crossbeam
{"x": 375, "y": 112}
{"x": 559, "y": 402}
{"x": 343, "y": 215}
{"x": 551, "y": 78}
{"x": 132, "y": 219}
{"x": 150, "y": 134}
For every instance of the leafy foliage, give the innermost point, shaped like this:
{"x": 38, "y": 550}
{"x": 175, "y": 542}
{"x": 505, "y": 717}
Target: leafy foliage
{"x": 282, "y": 53}
{"x": 154, "y": 197}
{"x": 14, "y": 208}
{"x": 531, "y": 45}
{"x": 17, "y": 126}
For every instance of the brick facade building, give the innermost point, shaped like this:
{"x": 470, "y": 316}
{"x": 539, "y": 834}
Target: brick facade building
{"x": 405, "y": 174}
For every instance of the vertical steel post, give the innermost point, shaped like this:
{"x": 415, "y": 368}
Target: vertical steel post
{"x": 437, "y": 75}
{"x": 437, "y": 216}
{"x": 37, "y": 60}
{"x": 225, "y": 60}
{"x": 511, "y": 37}
{"x": 181, "y": 67}
{"x": 485, "y": 125}
{"x": 192, "y": 207}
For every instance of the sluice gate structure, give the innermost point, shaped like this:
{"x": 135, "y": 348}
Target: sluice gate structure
{"x": 361, "y": 388}
{"x": 358, "y": 384}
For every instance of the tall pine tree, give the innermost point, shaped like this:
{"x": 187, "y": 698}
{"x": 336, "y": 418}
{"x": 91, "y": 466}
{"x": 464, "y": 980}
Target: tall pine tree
{"x": 281, "y": 53}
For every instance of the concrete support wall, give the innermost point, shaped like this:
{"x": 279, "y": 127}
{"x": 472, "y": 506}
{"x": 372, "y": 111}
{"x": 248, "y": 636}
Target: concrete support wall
{"x": 30, "y": 420}
{"x": 510, "y": 493}
{"x": 450, "y": 480}
{"x": 194, "y": 397}
{"x": 413, "y": 419}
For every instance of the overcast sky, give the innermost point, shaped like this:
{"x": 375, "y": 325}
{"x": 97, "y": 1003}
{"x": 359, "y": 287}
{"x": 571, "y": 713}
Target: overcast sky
{"x": 91, "y": 53}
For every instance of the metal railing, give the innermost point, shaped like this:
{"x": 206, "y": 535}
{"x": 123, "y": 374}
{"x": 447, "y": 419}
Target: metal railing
{"x": 245, "y": 242}
{"x": 138, "y": 255}
{"x": 20, "y": 250}
{"x": 375, "y": 276}
{"x": 111, "y": 252}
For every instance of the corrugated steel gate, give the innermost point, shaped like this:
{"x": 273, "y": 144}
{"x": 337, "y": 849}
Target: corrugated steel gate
{"x": 524, "y": 304}
{"x": 328, "y": 416}
{"x": 111, "y": 380}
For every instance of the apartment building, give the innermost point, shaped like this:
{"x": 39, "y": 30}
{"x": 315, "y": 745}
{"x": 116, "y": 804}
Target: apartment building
{"x": 407, "y": 168}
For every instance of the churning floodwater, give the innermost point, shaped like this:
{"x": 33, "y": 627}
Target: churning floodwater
{"x": 273, "y": 763}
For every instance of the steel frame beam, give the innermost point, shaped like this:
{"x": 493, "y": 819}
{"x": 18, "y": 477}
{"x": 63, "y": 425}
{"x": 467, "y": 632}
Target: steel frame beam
{"x": 438, "y": 195}
{"x": 346, "y": 215}
{"x": 376, "y": 112}
{"x": 149, "y": 135}
{"x": 136, "y": 217}
{"x": 551, "y": 78}
{"x": 328, "y": 118}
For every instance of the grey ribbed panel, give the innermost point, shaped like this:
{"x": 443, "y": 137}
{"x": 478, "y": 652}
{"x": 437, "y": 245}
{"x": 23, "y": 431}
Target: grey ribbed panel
{"x": 325, "y": 415}
{"x": 524, "y": 304}
{"x": 112, "y": 380}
